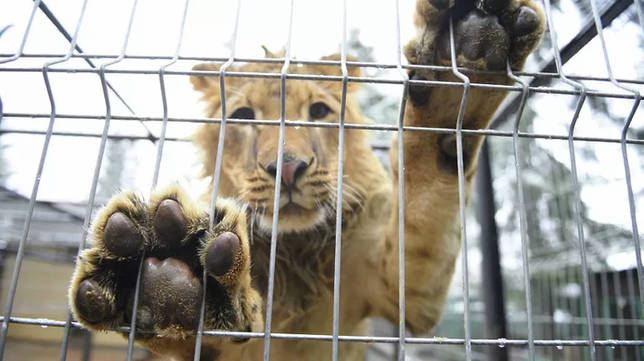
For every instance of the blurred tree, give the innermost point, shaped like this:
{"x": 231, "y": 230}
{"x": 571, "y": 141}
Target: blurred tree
{"x": 111, "y": 178}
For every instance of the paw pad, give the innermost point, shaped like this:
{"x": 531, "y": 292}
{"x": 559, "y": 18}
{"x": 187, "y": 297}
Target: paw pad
{"x": 221, "y": 253}
{"x": 525, "y": 21}
{"x": 121, "y": 237}
{"x": 178, "y": 244}
{"x": 169, "y": 223}
{"x": 92, "y": 302}
{"x": 170, "y": 294}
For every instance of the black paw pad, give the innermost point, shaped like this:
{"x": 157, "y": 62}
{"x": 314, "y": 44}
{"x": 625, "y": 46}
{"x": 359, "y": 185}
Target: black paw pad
{"x": 448, "y": 156}
{"x": 92, "y": 303}
{"x": 169, "y": 223}
{"x": 170, "y": 294}
{"x": 478, "y": 37}
{"x": 121, "y": 236}
{"x": 525, "y": 21}
{"x": 221, "y": 253}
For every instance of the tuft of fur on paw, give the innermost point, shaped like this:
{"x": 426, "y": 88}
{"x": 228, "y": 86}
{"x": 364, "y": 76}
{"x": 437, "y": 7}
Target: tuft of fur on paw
{"x": 487, "y": 34}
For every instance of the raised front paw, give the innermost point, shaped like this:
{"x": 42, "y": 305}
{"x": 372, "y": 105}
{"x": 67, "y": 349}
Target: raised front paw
{"x": 487, "y": 33}
{"x": 176, "y": 244}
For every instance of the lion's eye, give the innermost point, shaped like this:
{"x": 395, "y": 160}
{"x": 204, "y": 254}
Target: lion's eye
{"x": 318, "y": 110}
{"x": 243, "y": 113}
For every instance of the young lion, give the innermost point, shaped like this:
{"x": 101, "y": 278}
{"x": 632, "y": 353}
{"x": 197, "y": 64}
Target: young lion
{"x": 177, "y": 243}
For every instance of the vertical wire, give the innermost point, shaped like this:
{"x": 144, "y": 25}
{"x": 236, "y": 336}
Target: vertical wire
{"x": 631, "y": 303}
{"x": 575, "y": 308}
{"x": 575, "y": 178}
{"x": 97, "y": 169}
{"x": 627, "y": 124}
{"x": 401, "y": 193}
{"x": 596, "y": 311}
{"x": 34, "y": 193}
{"x": 164, "y": 124}
{"x": 278, "y": 184}
{"x": 621, "y": 328}
{"x": 217, "y": 172}
{"x": 523, "y": 225}
{"x": 605, "y": 310}
{"x": 108, "y": 115}
{"x": 543, "y": 304}
{"x": 338, "y": 207}
{"x": 550, "y": 284}
{"x": 461, "y": 190}
{"x": 20, "y": 50}
{"x": 559, "y": 283}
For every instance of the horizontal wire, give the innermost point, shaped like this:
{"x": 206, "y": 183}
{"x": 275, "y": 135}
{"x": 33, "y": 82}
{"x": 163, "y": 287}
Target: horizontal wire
{"x": 333, "y": 78}
{"x": 293, "y": 123}
{"x": 348, "y": 338}
{"x": 360, "y": 64}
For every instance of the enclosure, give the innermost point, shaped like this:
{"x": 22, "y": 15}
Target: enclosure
{"x": 95, "y": 97}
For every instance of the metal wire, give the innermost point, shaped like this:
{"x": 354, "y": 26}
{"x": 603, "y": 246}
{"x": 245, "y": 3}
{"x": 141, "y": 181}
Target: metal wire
{"x": 339, "y": 208}
{"x": 562, "y": 335}
{"x": 217, "y": 172}
{"x": 291, "y": 123}
{"x": 34, "y": 193}
{"x": 523, "y": 226}
{"x": 461, "y": 191}
{"x": 358, "y": 64}
{"x": 401, "y": 193}
{"x": 361, "y": 339}
{"x": 317, "y": 77}
{"x": 97, "y": 170}
{"x": 164, "y": 100}
{"x": 276, "y": 201}
{"x": 627, "y": 124}
{"x": 19, "y": 52}
{"x": 576, "y": 186}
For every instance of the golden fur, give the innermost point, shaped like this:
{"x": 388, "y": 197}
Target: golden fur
{"x": 304, "y": 264}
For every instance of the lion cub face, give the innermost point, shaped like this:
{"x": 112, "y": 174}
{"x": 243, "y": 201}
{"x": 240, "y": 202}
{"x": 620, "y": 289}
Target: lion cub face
{"x": 308, "y": 181}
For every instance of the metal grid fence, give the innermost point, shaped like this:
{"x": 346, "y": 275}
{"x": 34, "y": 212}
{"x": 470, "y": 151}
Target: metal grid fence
{"x": 593, "y": 328}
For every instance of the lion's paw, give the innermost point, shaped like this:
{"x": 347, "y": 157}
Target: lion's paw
{"x": 177, "y": 244}
{"x": 487, "y": 33}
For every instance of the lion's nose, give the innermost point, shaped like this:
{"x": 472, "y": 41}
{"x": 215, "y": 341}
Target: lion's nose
{"x": 292, "y": 169}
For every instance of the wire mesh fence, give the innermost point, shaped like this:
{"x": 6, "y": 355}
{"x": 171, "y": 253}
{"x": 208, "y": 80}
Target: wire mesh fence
{"x": 567, "y": 194}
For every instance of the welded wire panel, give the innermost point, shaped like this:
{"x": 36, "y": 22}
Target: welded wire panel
{"x": 584, "y": 307}
{"x": 36, "y": 183}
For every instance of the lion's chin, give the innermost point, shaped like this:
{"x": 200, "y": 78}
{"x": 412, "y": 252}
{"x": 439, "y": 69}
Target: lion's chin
{"x": 294, "y": 218}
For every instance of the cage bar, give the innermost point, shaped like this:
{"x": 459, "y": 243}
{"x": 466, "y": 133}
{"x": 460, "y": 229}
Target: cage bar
{"x": 34, "y": 193}
{"x": 523, "y": 226}
{"x": 278, "y": 183}
{"x": 600, "y": 328}
{"x": 627, "y": 124}
{"x": 340, "y": 183}
{"x": 461, "y": 191}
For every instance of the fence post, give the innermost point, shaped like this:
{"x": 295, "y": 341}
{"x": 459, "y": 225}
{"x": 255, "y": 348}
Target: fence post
{"x": 495, "y": 326}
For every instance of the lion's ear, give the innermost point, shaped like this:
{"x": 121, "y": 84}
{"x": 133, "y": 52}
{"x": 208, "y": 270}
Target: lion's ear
{"x": 206, "y": 83}
{"x": 354, "y": 71}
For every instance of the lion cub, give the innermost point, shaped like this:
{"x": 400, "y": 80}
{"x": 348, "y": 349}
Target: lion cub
{"x": 174, "y": 237}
